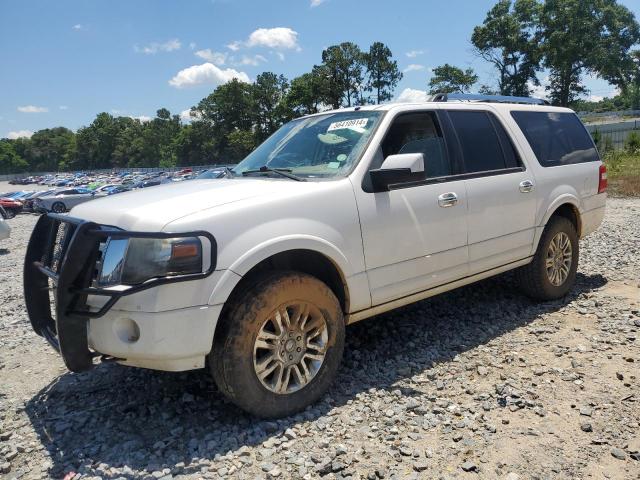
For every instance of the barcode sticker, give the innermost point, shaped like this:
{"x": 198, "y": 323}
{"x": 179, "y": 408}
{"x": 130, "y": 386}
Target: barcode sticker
{"x": 355, "y": 124}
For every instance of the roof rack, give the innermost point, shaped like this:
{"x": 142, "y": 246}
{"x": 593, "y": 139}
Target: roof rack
{"x": 468, "y": 97}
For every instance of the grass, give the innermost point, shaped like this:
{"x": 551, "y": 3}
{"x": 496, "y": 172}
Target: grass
{"x": 623, "y": 171}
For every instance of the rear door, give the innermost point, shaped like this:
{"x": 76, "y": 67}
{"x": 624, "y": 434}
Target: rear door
{"x": 501, "y": 192}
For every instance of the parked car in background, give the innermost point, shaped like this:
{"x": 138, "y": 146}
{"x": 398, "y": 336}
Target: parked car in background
{"x": 65, "y": 199}
{"x": 29, "y": 201}
{"x": 212, "y": 173}
{"x": 12, "y": 207}
{"x": 5, "y": 229}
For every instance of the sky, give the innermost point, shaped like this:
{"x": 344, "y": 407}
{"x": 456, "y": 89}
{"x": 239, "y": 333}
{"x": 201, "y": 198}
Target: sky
{"x": 64, "y": 61}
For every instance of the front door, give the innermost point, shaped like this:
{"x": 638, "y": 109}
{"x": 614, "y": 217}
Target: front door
{"x": 414, "y": 236}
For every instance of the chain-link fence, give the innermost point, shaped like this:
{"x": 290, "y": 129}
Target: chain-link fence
{"x": 616, "y": 136}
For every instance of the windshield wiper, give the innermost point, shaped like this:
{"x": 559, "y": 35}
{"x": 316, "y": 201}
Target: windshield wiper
{"x": 280, "y": 171}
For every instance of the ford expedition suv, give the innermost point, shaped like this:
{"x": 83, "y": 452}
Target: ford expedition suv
{"x": 337, "y": 217}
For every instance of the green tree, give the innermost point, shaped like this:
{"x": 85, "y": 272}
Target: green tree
{"x": 585, "y": 36}
{"x": 343, "y": 67}
{"x": 49, "y": 150}
{"x": 196, "y": 144}
{"x": 229, "y": 108}
{"x": 308, "y": 92}
{"x": 449, "y": 79}
{"x": 269, "y": 94}
{"x": 10, "y": 161}
{"x": 509, "y": 40}
{"x": 383, "y": 74}
{"x": 240, "y": 144}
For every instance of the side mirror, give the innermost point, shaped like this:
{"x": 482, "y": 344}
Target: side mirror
{"x": 398, "y": 169}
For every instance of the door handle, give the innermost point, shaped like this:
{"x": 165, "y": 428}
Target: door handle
{"x": 526, "y": 186}
{"x": 447, "y": 200}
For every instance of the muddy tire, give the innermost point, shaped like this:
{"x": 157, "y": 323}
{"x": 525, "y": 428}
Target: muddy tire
{"x": 279, "y": 344}
{"x": 552, "y": 273}
{"x": 58, "y": 207}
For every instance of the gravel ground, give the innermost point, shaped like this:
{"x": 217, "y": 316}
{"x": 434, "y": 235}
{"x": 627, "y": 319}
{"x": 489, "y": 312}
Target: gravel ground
{"x": 476, "y": 383}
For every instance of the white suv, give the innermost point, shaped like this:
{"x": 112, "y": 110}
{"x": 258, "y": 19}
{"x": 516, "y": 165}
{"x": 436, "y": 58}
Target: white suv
{"x": 336, "y": 218}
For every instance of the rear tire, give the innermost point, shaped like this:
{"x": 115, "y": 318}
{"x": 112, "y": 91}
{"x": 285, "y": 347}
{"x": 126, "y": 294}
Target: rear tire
{"x": 58, "y": 207}
{"x": 279, "y": 345}
{"x": 10, "y": 213}
{"x": 552, "y": 273}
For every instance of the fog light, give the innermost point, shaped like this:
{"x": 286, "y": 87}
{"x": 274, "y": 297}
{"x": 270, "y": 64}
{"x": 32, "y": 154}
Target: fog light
{"x": 126, "y": 330}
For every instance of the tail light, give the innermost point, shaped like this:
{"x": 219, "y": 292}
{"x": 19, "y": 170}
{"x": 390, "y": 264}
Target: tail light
{"x": 602, "y": 183}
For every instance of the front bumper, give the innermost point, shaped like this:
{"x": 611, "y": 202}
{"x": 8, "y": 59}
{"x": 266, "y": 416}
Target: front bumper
{"x": 61, "y": 264}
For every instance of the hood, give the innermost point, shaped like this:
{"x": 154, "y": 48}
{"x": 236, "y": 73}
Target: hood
{"x": 150, "y": 209}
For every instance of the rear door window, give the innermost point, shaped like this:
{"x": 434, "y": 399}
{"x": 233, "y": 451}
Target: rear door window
{"x": 556, "y": 138}
{"x": 481, "y": 147}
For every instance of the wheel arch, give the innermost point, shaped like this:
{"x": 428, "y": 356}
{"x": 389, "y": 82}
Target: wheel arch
{"x": 568, "y": 208}
{"x": 304, "y": 254}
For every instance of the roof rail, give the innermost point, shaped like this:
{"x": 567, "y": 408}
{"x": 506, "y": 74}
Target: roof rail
{"x": 469, "y": 97}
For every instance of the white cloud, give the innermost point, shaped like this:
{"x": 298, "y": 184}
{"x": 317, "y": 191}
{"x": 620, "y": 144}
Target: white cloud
{"x": 280, "y": 55}
{"x": 595, "y": 98}
{"x": 192, "y": 45}
{"x": 539, "y": 91}
{"x": 188, "y": 115}
{"x": 63, "y": 107}
{"x": 78, "y": 26}
{"x": 279, "y": 38}
{"x": 414, "y": 53}
{"x": 317, "y": 3}
{"x": 155, "y": 47}
{"x": 208, "y": 74}
{"x": 19, "y": 134}
{"x": 142, "y": 118}
{"x": 217, "y": 58}
{"x": 414, "y": 67}
{"x": 411, "y": 95}
{"x": 32, "y": 109}
{"x": 253, "y": 61}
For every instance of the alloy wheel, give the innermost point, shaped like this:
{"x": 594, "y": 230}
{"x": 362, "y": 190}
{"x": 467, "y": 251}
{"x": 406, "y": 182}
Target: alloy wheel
{"x": 290, "y": 347}
{"x": 559, "y": 259}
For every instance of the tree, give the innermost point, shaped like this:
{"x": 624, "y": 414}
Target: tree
{"x": 269, "y": 93}
{"x": 308, "y": 92}
{"x": 229, "y": 108}
{"x": 585, "y": 36}
{"x": 10, "y": 161}
{"x": 383, "y": 74}
{"x": 196, "y": 145}
{"x": 449, "y": 79}
{"x": 49, "y": 149}
{"x": 509, "y": 40}
{"x": 343, "y": 71}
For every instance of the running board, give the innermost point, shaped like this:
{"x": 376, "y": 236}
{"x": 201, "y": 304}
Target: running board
{"x": 416, "y": 297}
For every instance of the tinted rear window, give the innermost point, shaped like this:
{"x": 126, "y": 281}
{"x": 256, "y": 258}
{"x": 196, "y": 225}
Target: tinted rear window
{"x": 557, "y": 138}
{"x": 480, "y": 144}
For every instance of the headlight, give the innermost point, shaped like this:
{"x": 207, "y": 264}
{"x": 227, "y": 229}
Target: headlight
{"x": 134, "y": 261}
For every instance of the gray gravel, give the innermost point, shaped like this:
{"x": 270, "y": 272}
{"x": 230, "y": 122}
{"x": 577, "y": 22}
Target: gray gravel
{"x": 476, "y": 383}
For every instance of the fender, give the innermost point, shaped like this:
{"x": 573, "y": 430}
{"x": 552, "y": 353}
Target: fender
{"x": 562, "y": 199}
{"x": 272, "y": 247}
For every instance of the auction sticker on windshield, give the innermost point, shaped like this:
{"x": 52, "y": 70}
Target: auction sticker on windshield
{"x": 355, "y": 124}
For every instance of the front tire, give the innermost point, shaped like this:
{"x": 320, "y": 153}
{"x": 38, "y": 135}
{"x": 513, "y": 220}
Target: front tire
{"x": 279, "y": 345}
{"x": 58, "y": 207}
{"x": 552, "y": 273}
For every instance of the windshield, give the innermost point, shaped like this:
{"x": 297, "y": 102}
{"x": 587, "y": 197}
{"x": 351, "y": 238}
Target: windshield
{"x": 315, "y": 147}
